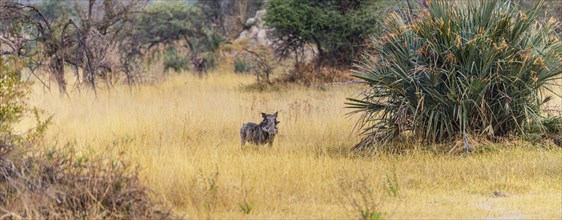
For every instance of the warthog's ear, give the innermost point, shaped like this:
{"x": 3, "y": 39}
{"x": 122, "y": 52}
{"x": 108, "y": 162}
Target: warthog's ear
{"x": 263, "y": 115}
{"x": 275, "y": 114}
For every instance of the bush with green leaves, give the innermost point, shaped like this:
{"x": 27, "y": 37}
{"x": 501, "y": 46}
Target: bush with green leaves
{"x": 175, "y": 61}
{"x": 336, "y": 28}
{"x": 178, "y": 26}
{"x": 480, "y": 68}
{"x": 241, "y": 66}
{"x": 12, "y": 96}
{"x": 168, "y": 22}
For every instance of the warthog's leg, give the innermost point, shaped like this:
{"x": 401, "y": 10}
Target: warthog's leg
{"x": 243, "y": 138}
{"x": 243, "y": 135}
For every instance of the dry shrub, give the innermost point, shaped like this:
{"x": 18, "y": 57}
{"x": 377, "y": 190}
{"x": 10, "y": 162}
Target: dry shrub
{"x": 359, "y": 196}
{"x": 63, "y": 185}
{"x": 310, "y": 74}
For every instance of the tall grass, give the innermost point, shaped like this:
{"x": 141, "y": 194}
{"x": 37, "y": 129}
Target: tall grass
{"x": 56, "y": 182}
{"x": 481, "y": 67}
{"x": 184, "y": 135}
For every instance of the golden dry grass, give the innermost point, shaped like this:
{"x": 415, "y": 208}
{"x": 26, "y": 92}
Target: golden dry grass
{"x": 184, "y": 135}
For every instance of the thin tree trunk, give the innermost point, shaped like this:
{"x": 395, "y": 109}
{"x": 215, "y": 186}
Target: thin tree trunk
{"x": 57, "y": 67}
{"x": 319, "y": 48}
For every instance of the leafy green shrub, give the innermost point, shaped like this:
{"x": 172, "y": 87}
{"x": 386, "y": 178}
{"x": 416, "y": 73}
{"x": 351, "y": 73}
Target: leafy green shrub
{"x": 337, "y": 29}
{"x": 172, "y": 60}
{"x": 170, "y": 21}
{"x": 241, "y": 66}
{"x": 480, "y": 68}
{"x": 12, "y": 97}
{"x": 211, "y": 60}
{"x": 552, "y": 124}
{"x": 550, "y": 127}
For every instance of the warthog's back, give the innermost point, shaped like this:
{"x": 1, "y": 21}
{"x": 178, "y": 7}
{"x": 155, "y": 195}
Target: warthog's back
{"x": 252, "y": 132}
{"x": 248, "y": 128}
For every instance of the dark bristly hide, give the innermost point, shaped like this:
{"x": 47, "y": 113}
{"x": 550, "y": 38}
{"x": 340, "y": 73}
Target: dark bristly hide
{"x": 261, "y": 133}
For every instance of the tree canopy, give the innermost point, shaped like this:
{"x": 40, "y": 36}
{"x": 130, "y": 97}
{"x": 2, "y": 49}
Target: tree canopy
{"x": 337, "y": 28}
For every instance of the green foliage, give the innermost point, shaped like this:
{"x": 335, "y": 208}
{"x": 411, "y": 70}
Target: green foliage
{"x": 549, "y": 127}
{"x": 262, "y": 63}
{"x": 392, "y": 184}
{"x": 337, "y": 29}
{"x": 553, "y": 124}
{"x": 478, "y": 68}
{"x": 368, "y": 214}
{"x": 246, "y": 207}
{"x": 177, "y": 23}
{"x": 166, "y": 22}
{"x": 55, "y": 9}
{"x": 12, "y": 96}
{"x": 211, "y": 60}
{"x": 173, "y": 60}
{"x": 86, "y": 186}
{"x": 207, "y": 187}
{"x": 551, "y": 8}
{"x": 241, "y": 66}
{"x": 359, "y": 195}
{"x": 13, "y": 109}
{"x": 212, "y": 41}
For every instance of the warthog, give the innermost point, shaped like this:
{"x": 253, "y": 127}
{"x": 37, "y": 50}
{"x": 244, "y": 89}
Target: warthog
{"x": 200, "y": 64}
{"x": 261, "y": 133}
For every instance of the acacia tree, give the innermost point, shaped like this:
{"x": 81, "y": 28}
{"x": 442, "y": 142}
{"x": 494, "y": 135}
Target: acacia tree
{"x": 24, "y": 26}
{"x": 173, "y": 24}
{"x": 103, "y": 28}
{"x": 337, "y": 28}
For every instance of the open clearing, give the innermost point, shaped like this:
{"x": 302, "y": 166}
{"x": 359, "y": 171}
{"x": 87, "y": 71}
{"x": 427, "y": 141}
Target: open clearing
{"x": 184, "y": 135}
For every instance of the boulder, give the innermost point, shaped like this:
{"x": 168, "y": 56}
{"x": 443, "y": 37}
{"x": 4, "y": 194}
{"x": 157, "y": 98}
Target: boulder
{"x": 260, "y": 15}
{"x": 253, "y": 32}
{"x": 250, "y": 22}
{"x": 256, "y": 32}
{"x": 262, "y": 37}
{"x": 243, "y": 34}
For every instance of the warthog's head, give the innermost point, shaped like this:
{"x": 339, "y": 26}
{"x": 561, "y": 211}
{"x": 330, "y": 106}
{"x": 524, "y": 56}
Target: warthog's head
{"x": 269, "y": 123}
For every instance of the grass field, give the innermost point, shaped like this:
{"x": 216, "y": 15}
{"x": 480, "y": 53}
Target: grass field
{"x": 184, "y": 135}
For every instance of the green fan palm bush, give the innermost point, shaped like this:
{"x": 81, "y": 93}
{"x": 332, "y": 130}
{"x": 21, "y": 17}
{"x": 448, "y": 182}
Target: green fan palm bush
{"x": 479, "y": 68}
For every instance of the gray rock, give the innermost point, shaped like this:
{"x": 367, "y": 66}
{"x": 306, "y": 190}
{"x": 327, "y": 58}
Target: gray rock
{"x": 250, "y": 22}
{"x": 260, "y": 15}
{"x": 252, "y": 43}
{"x": 253, "y": 31}
{"x": 243, "y": 34}
{"x": 257, "y": 31}
{"x": 260, "y": 19}
{"x": 262, "y": 37}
